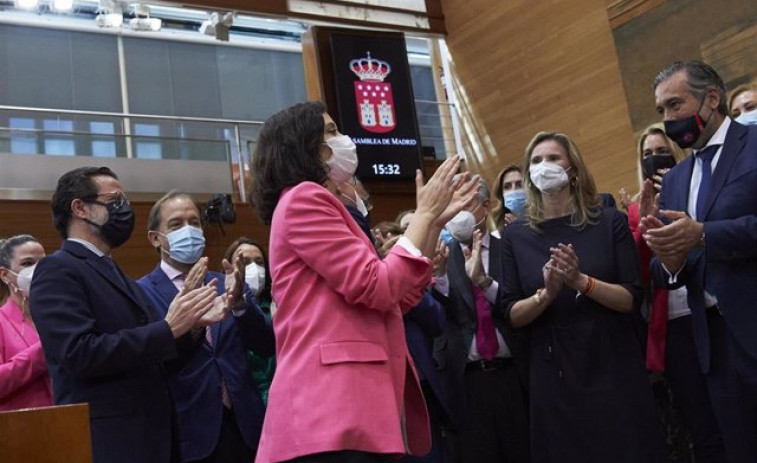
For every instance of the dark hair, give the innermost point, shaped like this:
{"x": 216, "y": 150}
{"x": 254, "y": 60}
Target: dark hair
{"x": 7, "y": 253}
{"x": 499, "y": 210}
{"x": 700, "y": 77}
{"x": 232, "y": 249}
{"x": 74, "y": 184}
{"x": 154, "y": 218}
{"x": 288, "y": 153}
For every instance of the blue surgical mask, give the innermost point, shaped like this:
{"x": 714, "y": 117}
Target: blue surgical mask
{"x": 186, "y": 244}
{"x": 748, "y": 118}
{"x": 515, "y": 201}
{"x": 446, "y": 236}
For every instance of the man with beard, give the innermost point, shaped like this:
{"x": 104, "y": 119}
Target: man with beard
{"x": 104, "y": 343}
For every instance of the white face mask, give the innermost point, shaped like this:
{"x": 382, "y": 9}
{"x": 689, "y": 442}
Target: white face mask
{"x": 358, "y": 202}
{"x": 254, "y": 275}
{"x": 462, "y": 226}
{"x": 24, "y": 279}
{"x": 548, "y": 177}
{"x": 343, "y": 161}
{"x": 748, "y": 118}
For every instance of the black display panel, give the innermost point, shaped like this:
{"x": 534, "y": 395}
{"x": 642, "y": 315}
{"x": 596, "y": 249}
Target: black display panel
{"x": 376, "y": 104}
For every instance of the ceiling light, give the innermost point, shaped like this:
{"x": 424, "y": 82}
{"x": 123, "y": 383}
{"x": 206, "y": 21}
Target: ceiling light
{"x": 109, "y": 14}
{"x": 145, "y": 24}
{"x": 143, "y": 21}
{"x": 61, "y": 6}
{"x": 27, "y": 4}
{"x": 109, "y": 19}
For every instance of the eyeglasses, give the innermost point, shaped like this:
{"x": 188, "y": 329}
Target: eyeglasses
{"x": 116, "y": 198}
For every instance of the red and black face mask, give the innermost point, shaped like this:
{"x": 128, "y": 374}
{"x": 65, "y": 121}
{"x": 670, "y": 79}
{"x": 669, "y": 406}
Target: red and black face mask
{"x": 685, "y": 132}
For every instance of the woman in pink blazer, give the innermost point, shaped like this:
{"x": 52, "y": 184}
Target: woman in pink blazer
{"x": 345, "y": 388}
{"x": 24, "y": 382}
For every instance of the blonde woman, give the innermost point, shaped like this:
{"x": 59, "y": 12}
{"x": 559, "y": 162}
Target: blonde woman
{"x": 572, "y": 279}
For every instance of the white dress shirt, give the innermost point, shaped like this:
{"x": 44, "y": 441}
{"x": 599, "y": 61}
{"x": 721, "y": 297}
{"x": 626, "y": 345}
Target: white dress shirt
{"x": 718, "y": 139}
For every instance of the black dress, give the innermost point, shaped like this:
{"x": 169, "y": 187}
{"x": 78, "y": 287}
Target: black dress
{"x": 590, "y": 397}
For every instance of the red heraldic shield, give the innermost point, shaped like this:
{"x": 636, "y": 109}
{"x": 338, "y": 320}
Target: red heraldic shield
{"x": 375, "y": 106}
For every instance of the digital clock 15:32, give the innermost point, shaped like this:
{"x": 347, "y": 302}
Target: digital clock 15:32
{"x": 386, "y": 169}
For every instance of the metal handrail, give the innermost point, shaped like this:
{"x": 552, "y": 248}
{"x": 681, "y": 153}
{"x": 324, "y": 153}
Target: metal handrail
{"x": 106, "y": 135}
{"x": 129, "y": 115}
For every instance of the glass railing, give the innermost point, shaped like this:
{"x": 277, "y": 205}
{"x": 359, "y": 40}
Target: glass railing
{"x": 60, "y": 143}
{"x": 42, "y": 131}
{"x": 27, "y": 131}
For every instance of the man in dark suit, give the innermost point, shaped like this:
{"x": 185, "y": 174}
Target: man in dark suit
{"x": 484, "y": 373}
{"x": 104, "y": 343}
{"x": 219, "y": 409}
{"x": 708, "y": 241}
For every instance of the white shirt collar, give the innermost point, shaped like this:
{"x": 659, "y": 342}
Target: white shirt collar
{"x": 171, "y": 272}
{"x": 718, "y": 138}
{"x": 88, "y": 245}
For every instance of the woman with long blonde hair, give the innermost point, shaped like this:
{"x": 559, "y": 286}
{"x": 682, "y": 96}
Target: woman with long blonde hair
{"x": 572, "y": 279}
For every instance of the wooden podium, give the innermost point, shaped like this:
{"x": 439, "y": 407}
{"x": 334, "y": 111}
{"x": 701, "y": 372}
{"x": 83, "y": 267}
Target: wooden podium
{"x": 42, "y": 435}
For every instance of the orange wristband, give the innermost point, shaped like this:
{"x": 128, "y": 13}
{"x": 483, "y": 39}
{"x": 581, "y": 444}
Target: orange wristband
{"x": 590, "y": 286}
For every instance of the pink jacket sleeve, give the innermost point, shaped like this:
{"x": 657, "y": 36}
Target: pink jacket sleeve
{"x": 21, "y": 369}
{"x": 319, "y": 233}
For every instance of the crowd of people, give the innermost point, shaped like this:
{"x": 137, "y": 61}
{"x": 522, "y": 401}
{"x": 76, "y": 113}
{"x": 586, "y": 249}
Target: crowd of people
{"x": 527, "y": 320}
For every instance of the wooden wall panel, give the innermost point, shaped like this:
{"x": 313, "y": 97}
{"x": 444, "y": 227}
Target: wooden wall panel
{"x": 550, "y": 65}
{"x": 683, "y": 30}
{"x": 733, "y": 53}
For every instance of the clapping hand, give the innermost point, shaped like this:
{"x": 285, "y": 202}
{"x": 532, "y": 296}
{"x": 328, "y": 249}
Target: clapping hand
{"x": 234, "y": 282}
{"x": 196, "y": 276}
{"x": 433, "y": 197}
{"x": 553, "y": 283}
{"x": 474, "y": 265}
{"x": 188, "y": 307}
{"x": 388, "y": 245}
{"x": 566, "y": 265}
{"x": 440, "y": 259}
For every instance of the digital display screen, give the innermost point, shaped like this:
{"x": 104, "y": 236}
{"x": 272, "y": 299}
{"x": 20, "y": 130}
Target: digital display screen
{"x": 376, "y": 104}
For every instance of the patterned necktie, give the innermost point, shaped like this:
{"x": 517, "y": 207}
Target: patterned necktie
{"x": 486, "y": 337}
{"x": 225, "y": 398}
{"x": 706, "y": 156}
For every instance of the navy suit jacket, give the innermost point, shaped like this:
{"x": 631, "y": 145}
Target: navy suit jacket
{"x": 452, "y": 348}
{"x": 195, "y": 378}
{"x": 422, "y": 324}
{"x": 105, "y": 345}
{"x": 727, "y": 265}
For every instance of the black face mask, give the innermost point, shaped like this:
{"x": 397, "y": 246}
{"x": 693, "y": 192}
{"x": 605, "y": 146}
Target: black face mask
{"x": 651, "y": 164}
{"x": 117, "y": 229}
{"x": 685, "y": 132}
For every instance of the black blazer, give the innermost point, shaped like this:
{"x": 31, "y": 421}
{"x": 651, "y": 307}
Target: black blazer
{"x": 452, "y": 348}
{"x": 105, "y": 345}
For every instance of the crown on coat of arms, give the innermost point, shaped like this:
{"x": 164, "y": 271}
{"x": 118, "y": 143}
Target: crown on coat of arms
{"x": 369, "y": 69}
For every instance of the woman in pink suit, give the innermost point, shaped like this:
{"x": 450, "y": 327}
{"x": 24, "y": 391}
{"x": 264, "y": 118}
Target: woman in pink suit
{"x": 24, "y": 382}
{"x": 345, "y": 389}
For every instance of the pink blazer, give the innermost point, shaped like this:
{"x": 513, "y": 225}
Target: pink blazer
{"x": 24, "y": 382}
{"x": 344, "y": 379}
